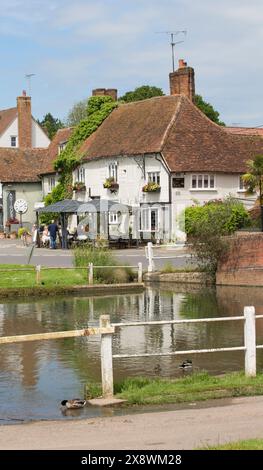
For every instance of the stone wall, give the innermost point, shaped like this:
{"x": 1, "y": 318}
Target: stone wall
{"x": 243, "y": 263}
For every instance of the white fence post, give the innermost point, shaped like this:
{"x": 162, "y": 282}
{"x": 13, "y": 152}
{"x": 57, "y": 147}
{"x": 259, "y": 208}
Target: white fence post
{"x": 106, "y": 358}
{"x": 150, "y": 257}
{"x": 140, "y": 273}
{"x": 90, "y": 273}
{"x": 250, "y": 341}
{"x": 38, "y": 270}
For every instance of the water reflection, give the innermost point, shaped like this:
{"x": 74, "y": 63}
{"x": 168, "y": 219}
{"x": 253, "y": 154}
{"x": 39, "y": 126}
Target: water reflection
{"x": 36, "y": 376}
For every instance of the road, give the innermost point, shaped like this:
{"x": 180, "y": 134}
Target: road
{"x": 13, "y": 252}
{"x": 214, "y": 422}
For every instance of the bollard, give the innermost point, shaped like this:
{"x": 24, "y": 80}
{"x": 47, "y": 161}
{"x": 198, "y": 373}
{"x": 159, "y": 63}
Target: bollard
{"x": 150, "y": 257}
{"x": 90, "y": 273}
{"x": 250, "y": 341}
{"x": 140, "y": 273}
{"x": 106, "y": 358}
{"x": 38, "y": 270}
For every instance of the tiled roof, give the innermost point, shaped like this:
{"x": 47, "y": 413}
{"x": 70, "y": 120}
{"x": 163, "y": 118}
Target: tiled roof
{"x": 7, "y": 116}
{"x": 18, "y": 165}
{"x": 245, "y": 130}
{"x": 172, "y": 125}
{"x": 61, "y": 136}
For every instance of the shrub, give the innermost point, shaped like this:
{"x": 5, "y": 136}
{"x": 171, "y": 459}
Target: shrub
{"x": 102, "y": 257}
{"x": 206, "y": 225}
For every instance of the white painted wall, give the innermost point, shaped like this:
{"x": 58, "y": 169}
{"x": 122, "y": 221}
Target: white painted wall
{"x": 225, "y": 185}
{"x": 130, "y": 179}
{"x": 30, "y": 192}
{"x": 12, "y": 130}
{"x": 39, "y": 138}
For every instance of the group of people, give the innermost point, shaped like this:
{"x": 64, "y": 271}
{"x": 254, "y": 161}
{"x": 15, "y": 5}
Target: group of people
{"x": 49, "y": 234}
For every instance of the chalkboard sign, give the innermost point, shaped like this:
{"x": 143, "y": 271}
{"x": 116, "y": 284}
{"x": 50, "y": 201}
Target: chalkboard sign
{"x": 10, "y": 200}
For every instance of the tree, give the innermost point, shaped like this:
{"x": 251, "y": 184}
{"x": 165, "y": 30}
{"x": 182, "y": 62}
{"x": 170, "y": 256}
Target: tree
{"x": 141, "y": 93}
{"x": 253, "y": 180}
{"x": 208, "y": 110}
{"x": 51, "y": 124}
{"x": 78, "y": 112}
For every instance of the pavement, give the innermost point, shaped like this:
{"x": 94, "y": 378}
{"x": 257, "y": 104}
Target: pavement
{"x": 214, "y": 422}
{"x": 14, "y": 252}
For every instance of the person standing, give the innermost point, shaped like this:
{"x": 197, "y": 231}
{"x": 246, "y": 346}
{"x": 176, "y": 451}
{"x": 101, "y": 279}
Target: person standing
{"x": 53, "y": 229}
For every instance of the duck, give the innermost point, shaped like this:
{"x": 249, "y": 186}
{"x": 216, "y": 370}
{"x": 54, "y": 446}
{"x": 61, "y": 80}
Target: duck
{"x": 73, "y": 404}
{"x": 187, "y": 364}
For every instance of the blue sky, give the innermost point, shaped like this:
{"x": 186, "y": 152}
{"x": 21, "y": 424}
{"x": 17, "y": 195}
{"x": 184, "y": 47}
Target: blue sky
{"x": 75, "y": 46}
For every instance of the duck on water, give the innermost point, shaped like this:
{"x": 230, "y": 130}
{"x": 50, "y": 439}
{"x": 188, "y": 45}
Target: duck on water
{"x": 73, "y": 404}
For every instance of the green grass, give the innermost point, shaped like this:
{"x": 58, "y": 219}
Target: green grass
{"x": 169, "y": 268}
{"x": 250, "y": 444}
{"x": 201, "y": 386}
{"x": 49, "y": 277}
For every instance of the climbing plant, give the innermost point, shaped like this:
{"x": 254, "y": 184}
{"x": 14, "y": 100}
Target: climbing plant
{"x": 99, "y": 107}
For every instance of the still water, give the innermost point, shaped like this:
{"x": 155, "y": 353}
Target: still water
{"x": 36, "y": 376}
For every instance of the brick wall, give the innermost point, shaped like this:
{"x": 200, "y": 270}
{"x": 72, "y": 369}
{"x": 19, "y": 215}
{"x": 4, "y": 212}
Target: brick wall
{"x": 113, "y": 92}
{"x": 243, "y": 264}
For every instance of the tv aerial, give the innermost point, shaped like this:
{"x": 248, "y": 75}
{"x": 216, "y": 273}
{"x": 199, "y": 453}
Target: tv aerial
{"x": 173, "y": 42}
{"x": 28, "y": 77}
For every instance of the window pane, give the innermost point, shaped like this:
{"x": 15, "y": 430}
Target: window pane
{"x": 205, "y": 181}
{"x": 212, "y": 181}
{"x": 241, "y": 183}
{"x": 200, "y": 181}
{"x": 194, "y": 181}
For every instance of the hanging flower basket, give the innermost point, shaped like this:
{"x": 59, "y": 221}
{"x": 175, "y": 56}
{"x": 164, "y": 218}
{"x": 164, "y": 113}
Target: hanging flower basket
{"x": 151, "y": 188}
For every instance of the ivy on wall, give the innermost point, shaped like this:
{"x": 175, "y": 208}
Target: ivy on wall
{"x": 99, "y": 108}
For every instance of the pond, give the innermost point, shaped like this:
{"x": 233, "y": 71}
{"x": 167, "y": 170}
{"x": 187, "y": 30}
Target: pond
{"x": 36, "y": 376}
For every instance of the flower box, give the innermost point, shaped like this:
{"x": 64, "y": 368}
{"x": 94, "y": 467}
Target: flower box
{"x": 109, "y": 183}
{"x": 79, "y": 186}
{"x": 151, "y": 188}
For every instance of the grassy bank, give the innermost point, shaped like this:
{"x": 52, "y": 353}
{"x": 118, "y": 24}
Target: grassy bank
{"x": 15, "y": 276}
{"x": 250, "y": 444}
{"x": 201, "y": 386}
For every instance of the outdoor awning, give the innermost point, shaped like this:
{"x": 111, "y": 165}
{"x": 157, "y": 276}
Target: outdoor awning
{"x": 69, "y": 206}
{"x": 72, "y": 206}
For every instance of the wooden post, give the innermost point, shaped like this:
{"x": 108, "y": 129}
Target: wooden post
{"x": 38, "y": 270}
{"x": 150, "y": 257}
{"x": 140, "y": 273}
{"x": 90, "y": 273}
{"x": 106, "y": 358}
{"x": 250, "y": 341}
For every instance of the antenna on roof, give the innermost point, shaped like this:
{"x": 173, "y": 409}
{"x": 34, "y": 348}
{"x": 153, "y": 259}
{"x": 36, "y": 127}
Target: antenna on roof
{"x": 173, "y": 43}
{"x": 28, "y": 77}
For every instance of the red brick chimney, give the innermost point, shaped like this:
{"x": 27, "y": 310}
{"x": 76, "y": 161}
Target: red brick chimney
{"x": 24, "y": 121}
{"x": 182, "y": 81}
{"x": 113, "y": 92}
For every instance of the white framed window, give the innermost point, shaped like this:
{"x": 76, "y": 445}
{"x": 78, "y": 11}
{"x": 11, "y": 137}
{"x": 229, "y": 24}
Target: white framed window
{"x": 153, "y": 177}
{"x": 13, "y": 139}
{"x": 61, "y": 147}
{"x": 51, "y": 183}
{"x": 80, "y": 174}
{"x": 149, "y": 219}
{"x": 113, "y": 171}
{"x": 203, "y": 181}
{"x": 113, "y": 218}
{"x": 241, "y": 185}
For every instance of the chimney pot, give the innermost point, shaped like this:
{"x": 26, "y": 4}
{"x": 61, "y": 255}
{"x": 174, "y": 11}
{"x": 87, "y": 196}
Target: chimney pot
{"x": 24, "y": 93}
{"x": 113, "y": 92}
{"x": 24, "y": 121}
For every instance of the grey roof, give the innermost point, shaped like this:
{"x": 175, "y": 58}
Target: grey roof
{"x": 72, "y": 206}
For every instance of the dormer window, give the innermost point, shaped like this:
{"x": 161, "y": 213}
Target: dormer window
{"x": 13, "y": 140}
{"x": 61, "y": 147}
